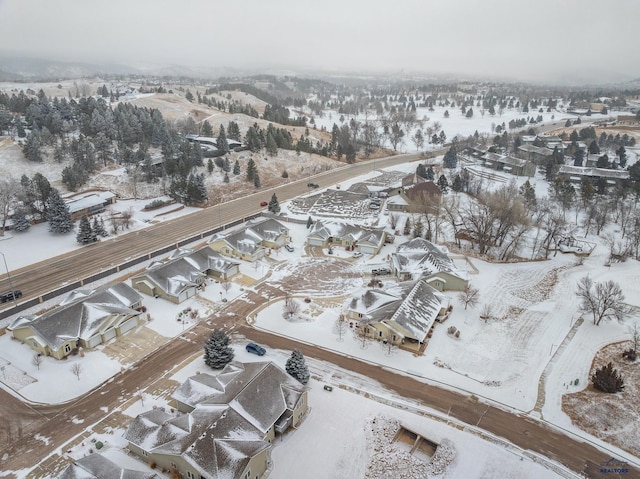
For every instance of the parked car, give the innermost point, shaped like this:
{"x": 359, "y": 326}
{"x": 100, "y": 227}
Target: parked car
{"x": 263, "y": 203}
{"x": 10, "y": 295}
{"x": 289, "y": 247}
{"x": 357, "y": 254}
{"x": 254, "y": 348}
{"x": 380, "y": 271}
{"x": 313, "y": 185}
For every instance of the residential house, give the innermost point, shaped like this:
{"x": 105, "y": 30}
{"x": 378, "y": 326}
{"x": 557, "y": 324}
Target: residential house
{"x": 252, "y": 240}
{"x": 404, "y": 315}
{"x": 509, "y": 164}
{"x": 88, "y": 203}
{"x": 97, "y": 466}
{"x": 351, "y": 237}
{"x": 419, "y": 258}
{"x": 180, "y": 277}
{"x": 84, "y": 319}
{"x": 398, "y": 203}
{"x": 225, "y": 423}
{"x": 535, "y": 154}
{"x": 423, "y": 193}
{"x": 575, "y": 174}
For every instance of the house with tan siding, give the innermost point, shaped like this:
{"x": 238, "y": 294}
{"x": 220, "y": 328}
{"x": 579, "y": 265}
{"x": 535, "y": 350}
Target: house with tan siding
{"x": 224, "y": 425}
{"x": 251, "y": 241}
{"x": 179, "y": 278}
{"x": 352, "y": 237}
{"x": 85, "y": 319}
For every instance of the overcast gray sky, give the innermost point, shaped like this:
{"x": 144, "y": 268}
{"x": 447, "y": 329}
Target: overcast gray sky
{"x": 523, "y": 39}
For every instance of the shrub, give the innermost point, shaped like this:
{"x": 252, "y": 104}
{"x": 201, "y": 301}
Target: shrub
{"x": 607, "y": 379}
{"x": 630, "y": 354}
{"x": 155, "y": 204}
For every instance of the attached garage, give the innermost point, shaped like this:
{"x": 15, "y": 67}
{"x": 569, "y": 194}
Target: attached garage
{"x": 186, "y": 294}
{"x": 315, "y": 241}
{"x": 93, "y": 341}
{"x": 108, "y": 335}
{"x": 128, "y": 325}
{"x": 367, "y": 249}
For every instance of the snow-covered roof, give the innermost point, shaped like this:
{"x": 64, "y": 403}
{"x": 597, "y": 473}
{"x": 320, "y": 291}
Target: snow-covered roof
{"x": 249, "y": 237}
{"x": 232, "y": 413}
{"x": 594, "y": 172}
{"x": 82, "y": 201}
{"x": 183, "y": 272}
{"x": 338, "y": 230}
{"x": 96, "y": 466}
{"x": 421, "y": 257}
{"x": 410, "y": 309}
{"x": 541, "y": 150}
{"x": 83, "y": 317}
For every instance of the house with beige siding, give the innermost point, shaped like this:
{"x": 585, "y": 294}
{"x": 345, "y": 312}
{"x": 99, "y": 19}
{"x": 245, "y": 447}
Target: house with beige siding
{"x": 252, "y": 240}
{"x": 420, "y": 258}
{"x": 179, "y": 278}
{"x": 225, "y": 424}
{"x": 404, "y": 315}
{"x": 85, "y": 319}
{"x": 352, "y": 237}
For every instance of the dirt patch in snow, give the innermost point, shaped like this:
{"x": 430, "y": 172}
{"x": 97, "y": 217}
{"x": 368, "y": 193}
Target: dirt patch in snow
{"x": 613, "y": 418}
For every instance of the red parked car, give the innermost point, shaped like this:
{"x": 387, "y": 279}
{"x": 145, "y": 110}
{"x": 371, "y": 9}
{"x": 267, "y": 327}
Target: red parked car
{"x": 263, "y": 203}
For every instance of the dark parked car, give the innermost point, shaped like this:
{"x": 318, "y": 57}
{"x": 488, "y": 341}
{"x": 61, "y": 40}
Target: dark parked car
{"x": 313, "y": 185}
{"x": 253, "y": 348}
{"x": 263, "y": 203}
{"x": 10, "y": 295}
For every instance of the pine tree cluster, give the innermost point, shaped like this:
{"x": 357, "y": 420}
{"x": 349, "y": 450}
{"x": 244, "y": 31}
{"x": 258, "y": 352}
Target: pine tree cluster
{"x": 607, "y": 379}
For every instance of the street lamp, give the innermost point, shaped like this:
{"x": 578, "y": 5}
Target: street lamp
{"x": 13, "y": 296}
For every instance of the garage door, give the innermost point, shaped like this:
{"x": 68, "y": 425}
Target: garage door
{"x": 128, "y": 325}
{"x": 108, "y": 334}
{"x": 94, "y": 341}
{"x": 187, "y": 293}
{"x": 367, "y": 249}
{"x": 315, "y": 242}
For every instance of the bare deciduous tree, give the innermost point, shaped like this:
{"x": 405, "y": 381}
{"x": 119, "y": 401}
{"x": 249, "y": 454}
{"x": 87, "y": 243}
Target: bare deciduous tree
{"x": 393, "y": 220}
{"x": 362, "y": 335}
{"x": 603, "y": 300}
{"x": 76, "y": 369}
{"x": 290, "y": 308}
{"x": 9, "y": 188}
{"x": 226, "y": 286}
{"x": 487, "y": 312}
{"x": 340, "y": 327}
{"x": 469, "y": 296}
{"x": 36, "y": 360}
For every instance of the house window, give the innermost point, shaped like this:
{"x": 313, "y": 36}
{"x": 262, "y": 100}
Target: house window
{"x": 379, "y": 333}
{"x": 145, "y": 453}
{"x": 360, "y": 315}
{"x": 191, "y": 475}
{"x": 67, "y": 348}
{"x": 173, "y": 465}
{"x": 394, "y": 337}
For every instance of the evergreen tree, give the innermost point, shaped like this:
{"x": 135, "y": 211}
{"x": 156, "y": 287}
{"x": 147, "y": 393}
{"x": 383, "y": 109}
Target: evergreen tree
{"x": 20, "y": 220}
{"x": 417, "y": 229}
{"x": 528, "y": 192}
{"x": 271, "y": 145}
{"x": 210, "y": 166}
{"x": 430, "y": 173}
{"x": 285, "y": 174}
{"x": 578, "y": 157}
{"x": 421, "y": 170}
{"x": 58, "y": 214}
{"x": 297, "y": 367}
{"x": 226, "y": 166}
{"x": 221, "y": 142}
{"x": 256, "y": 181}
{"x": 85, "y": 234}
{"x": 252, "y": 171}
{"x": 443, "y": 183}
{"x": 407, "y": 227}
{"x": 236, "y": 168}
{"x": 217, "y": 352}
{"x": 207, "y": 129}
{"x": 226, "y": 178}
{"x": 98, "y": 227}
{"x": 607, "y": 379}
{"x": 450, "y": 159}
{"x": 274, "y": 206}
{"x": 309, "y": 222}
{"x": 457, "y": 185}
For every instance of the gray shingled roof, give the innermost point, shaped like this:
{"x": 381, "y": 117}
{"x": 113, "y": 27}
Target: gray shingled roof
{"x": 232, "y": 412}
{"x": 249, "y": 237}
{"x": 421, "y": 257}
{"x": 83, "y": 316}
{"x": 337, "y": 229}
{"x": 96, "y": 466}
{"x": 182, "y": 272}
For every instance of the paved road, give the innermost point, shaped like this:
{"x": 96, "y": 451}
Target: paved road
{"x": 59, "y": 427}
{"x": 41, "y": 278}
